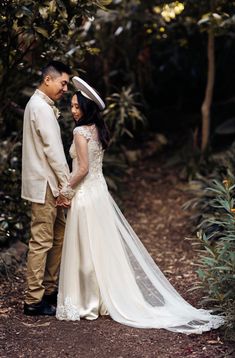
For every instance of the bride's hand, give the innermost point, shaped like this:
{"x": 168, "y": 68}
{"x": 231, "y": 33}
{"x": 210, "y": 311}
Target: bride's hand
{"x": 63, "y": 201}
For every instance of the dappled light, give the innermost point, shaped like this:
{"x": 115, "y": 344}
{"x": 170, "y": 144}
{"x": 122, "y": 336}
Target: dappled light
{"x": 169, "y": 11}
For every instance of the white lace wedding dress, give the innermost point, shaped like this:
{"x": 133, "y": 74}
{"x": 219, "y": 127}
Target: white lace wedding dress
{"x": 105, "y": 269}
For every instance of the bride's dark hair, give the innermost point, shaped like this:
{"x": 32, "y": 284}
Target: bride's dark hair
{"x": 91, "y": 115}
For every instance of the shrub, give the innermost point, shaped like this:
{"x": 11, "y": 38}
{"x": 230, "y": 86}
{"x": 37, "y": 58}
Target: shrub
{"x": 219, "y": 167}
{"x": 15, "y": 213}
{"x": 122, "y": 114}
{"x": 216, "y": 244}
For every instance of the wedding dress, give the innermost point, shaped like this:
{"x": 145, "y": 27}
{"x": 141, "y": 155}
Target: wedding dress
{"x": 105, "y": 269}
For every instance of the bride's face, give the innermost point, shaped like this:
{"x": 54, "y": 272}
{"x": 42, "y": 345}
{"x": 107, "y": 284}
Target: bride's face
{"x": 75, "y": 109}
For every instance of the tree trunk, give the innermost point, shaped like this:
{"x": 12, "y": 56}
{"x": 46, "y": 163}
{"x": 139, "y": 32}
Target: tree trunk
{"x": 206, "y": 105}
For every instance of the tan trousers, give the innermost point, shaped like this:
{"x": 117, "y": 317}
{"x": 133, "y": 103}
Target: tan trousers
{"x": 45, "y": 246}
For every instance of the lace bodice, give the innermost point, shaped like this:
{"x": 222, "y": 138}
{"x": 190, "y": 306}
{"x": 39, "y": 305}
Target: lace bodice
{"x": 95, "y": 153}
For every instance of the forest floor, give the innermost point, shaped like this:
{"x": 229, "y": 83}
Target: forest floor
{"x": 152, "y": 202}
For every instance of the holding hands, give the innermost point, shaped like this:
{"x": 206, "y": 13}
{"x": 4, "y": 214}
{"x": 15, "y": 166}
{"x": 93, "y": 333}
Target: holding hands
{"x": 65, "y": 196}
{"x": 63, "y": 201}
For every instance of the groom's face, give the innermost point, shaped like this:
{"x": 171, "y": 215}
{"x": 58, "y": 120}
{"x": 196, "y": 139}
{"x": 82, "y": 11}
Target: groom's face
{"x": 56, "y": 85}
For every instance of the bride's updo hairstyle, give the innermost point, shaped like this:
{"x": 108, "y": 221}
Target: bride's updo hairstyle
{"x": 91, "y": 115}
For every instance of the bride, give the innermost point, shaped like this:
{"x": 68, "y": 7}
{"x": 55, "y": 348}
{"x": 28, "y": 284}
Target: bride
{"x": 105, "y": 269}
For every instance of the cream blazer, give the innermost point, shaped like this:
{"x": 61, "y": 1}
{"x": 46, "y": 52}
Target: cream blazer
{"x": 43, "y": 158}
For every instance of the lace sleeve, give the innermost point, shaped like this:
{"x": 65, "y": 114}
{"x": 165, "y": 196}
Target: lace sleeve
{"x": 83, "y": 131}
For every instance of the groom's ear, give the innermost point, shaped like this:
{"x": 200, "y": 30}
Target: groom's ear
{"x": 47, "y": 80}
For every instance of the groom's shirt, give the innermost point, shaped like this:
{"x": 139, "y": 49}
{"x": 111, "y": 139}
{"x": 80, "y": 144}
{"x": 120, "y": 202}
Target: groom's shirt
{"x": 43, "y": 158}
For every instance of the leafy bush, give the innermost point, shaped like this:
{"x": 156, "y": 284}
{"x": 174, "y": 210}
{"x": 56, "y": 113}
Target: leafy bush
{"x": 123, "y": 117}
{"x": 31, "y": 34}
{"x": 216, "y": 247}
{"x": 15, "y": 214}
{"x": 212, "y": 215}
{"x": 200, "y": 204}
{"x": 122, "y": 114}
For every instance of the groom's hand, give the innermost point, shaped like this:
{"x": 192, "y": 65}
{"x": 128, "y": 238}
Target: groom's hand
{"x": 63, "y": 201}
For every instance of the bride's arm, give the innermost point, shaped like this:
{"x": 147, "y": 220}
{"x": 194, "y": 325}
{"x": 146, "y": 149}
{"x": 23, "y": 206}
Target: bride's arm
{"x": 81, "y": 146}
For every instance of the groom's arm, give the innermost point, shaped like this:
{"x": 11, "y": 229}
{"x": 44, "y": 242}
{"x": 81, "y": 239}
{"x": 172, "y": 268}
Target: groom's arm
{"x": 48, "y": 129}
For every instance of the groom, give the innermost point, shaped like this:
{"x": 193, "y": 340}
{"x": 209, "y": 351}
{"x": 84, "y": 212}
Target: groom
{"x": 44, "y": 170}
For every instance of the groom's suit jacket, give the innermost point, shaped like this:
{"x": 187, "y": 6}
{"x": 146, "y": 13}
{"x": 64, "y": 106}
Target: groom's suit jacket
{"x": 43, "y": 158}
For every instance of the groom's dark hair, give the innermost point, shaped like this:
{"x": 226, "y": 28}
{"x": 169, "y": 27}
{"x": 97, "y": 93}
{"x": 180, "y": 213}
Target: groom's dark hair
{"x": 55, "y": 68}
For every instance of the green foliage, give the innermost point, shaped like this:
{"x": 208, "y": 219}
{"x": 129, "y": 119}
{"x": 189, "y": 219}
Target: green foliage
{"x": 210, "y": 171}
{"x": 212, "y": 214}
{"x": 31, "y": 33}
{"x": 123, "y": 118}
{"x": 160, "y": 48}
{"x": 15, "y": 212}
{"x": 217, "y": 251}
{"x": 133, "y": 43}
{"x": 122, "y": 114}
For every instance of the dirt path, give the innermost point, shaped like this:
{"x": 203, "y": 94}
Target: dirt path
{"x": 152, "y": 203}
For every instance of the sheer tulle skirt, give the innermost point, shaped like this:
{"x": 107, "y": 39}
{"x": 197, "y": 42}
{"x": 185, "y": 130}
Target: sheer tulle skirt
{"x": 105, "y": 269}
